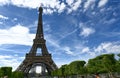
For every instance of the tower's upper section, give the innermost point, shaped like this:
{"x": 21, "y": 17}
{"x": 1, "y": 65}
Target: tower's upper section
{"x": 39, "y": 41}
{"x": 39, "y": 34}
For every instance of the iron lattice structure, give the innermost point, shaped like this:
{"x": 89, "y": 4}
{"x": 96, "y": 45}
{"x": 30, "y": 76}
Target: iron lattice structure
{"x": 32, "y": 58}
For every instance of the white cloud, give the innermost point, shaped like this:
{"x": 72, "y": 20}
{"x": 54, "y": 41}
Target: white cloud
{"x": 4, "y": 2}
{"x": 102, "y": 3}
{"x": 88, "y": 3}
{"x": 68, "y": 51}
{"x": 86, "y": 31}
{"x": 73, "y": 6}
{"x": 50, "y": 5}
{"x": 16, "y": 35}
{"x": 48, "y": 11}
{"x": 15, "y": 19}
{"x": 54, "y": 5}
{"x": 26, "y": 3}
{"x": 32, "y": 4}
{"x": 110, "y": 21}
{"x": 62, "y": 7}
{"x": 9, "y": 60}
{"x": 86, "y": 49}
{"x": 3, "y": 17}
{"x": 1, "y": 22}
{"x": 76, "y": 5}
{"x": 70, "y": 2}
{"x": 108, "y": 47}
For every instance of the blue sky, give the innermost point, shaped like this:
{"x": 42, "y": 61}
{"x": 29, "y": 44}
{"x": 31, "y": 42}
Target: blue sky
{"x": 73, "y": 29}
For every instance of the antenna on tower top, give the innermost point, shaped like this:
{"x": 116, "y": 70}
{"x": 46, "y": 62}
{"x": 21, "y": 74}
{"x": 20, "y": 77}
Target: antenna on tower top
{"x": 40, "y": 9}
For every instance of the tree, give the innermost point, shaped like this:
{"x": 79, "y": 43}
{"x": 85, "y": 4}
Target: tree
{"x": 1, "y": 73}
{"x": 105, "y": 63}
{"x": 77, "y": 67}
{"x": 54, "y": 73}
{"x": 93, "y": 66}
{"x": 17, "y": 74}
{"x": 6, "y": 71}
{"x": 63, "y": 70}
{"x": 119, "y": 57}
{"x": 118, "y": 64}
{"x": 109, "y": 63}
{"x": 102, "y": 64}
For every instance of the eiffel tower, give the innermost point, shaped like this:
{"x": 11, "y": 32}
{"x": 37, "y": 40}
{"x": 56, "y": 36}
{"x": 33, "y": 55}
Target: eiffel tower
{"x": 34, "y": 59}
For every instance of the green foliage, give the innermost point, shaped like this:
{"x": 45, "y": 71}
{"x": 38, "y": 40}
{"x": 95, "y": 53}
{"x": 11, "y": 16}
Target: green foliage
{"x": 76, "y": 67}
{"x": 54, "y": 73}
{"x": 60, "y": 72}
{"x": 1, "y": 73}
{"x": 119, "y": 57}
{"x": 17, "y": 74}
{"x": 109, "y": 63}
{"x": 102, "y": 64}
{"x": 118, "y": 67}
{"x": 63, "y": 70}
{"x": 6, "y": 71}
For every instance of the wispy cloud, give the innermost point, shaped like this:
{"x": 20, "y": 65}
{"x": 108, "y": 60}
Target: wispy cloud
{"x": 112, "y": 34}
{"x": 111, "y": 21}
{"x": 3, "y": 17}
{"x": 88, "y": 3}
{"x": 52, "y": 41}
{"x": 102, "y": 48}
{"x": 10, "y": 60}
{"x": 70, "y": 2}
{"x": 68, "y": 34}
{"x": 73, "y": 5}
{"x": 1, "y": 22}
{"x": 87, "y": 31}
{"x": 76, "y": 49}
{"x": 49, "y": 4}
{"x": 86, "y": 49}
{"x": 61, "y": 8}
{"x": 60, "y": 49}
{"x": 52, "y": 6}
{"x": 68, "y": 51}
{"x": 102, "y": 3}
{"x": 16, "y": 35}
{"x": 108, "y": 47}
{"x": 4, "y": 2}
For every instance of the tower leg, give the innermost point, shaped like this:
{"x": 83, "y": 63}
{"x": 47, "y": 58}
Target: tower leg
{"x": 43, "y": 69}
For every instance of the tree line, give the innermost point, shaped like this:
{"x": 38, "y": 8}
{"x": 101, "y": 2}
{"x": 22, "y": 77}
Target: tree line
{"x": 106, "y": 63}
